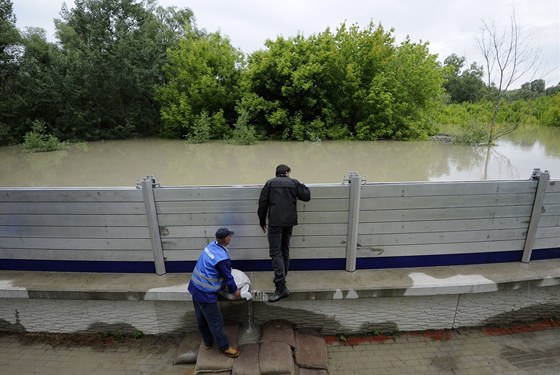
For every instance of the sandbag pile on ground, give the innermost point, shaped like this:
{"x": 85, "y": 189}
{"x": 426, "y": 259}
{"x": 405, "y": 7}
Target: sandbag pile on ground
{"x": 280, "y": 351}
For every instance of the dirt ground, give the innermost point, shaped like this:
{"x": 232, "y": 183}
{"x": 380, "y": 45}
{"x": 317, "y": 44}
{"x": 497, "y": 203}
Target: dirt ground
{"x": 100, "y": 341}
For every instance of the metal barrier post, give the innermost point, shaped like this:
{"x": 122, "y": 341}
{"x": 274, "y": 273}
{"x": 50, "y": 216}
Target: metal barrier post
{"x": 353, "y": 220}
{"x": 147, "y": 185}
{"x": 542, "y": 178}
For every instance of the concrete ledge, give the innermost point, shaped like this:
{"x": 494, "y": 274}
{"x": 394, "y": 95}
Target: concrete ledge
{"x": 303, "y": 285}
{"x": 331, "y": 301}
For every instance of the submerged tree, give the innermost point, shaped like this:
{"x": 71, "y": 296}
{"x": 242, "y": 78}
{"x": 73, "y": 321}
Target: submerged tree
{"x": 508, "y": 55}
{"x": 10, "y": 42}
{"x": 352, "y": 84}
{"x": 201, "y": 89}
{"x": 113, "y": 52}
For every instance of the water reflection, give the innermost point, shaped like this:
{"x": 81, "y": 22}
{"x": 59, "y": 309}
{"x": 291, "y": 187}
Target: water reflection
{"x": 546, "y": 139}
{"x": 123, "y": 163}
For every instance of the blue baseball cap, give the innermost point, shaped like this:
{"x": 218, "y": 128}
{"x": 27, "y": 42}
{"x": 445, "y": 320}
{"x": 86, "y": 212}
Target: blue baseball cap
{"x": 223, "y": 233}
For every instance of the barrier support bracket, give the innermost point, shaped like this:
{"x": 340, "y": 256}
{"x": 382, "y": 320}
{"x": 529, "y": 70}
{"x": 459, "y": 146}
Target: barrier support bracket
{"x": 542, "y": 178}
{"x": 147, "y": 185}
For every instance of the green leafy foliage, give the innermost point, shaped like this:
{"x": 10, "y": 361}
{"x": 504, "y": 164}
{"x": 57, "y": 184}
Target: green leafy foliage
{"x": 127, "y": 68}
{"x": 473, "y": 133}
{"x": 353, "y": 84}
{"x": 137, "y": 334}
{"x": 463, "y": 85}
{"x": 201, "y": 82}
{"x": 550, "y": 114}
{"x": 10, "y": 42}
{"x": 200, "y": 131}
{"x": 98, "y": 80}
{"x": 38, "y": 140}
{"x": 244, "y": 133}
{"x": 540, "y": 111}
{"x": 113, "y": 55}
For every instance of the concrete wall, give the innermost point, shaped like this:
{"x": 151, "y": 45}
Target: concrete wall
{"x": 361, "y": 315}
{"x": 403, "y": 299}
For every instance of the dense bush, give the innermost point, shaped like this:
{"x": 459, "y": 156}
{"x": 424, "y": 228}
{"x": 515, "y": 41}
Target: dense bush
{"x": 38, "y": 140}
{"x": 244, "y": 133}
{"x": 126, "y": 68}
{"x": 352, "y": 84}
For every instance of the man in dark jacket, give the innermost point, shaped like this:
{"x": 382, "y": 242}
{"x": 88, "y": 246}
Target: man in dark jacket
{"x": 279, "y": 198}
{"x": 211, "y": 275}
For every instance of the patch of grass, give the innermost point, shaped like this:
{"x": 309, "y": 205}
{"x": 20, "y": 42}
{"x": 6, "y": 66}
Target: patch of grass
{"x": 341, "y": 337}
{"x": 137, "y": 334}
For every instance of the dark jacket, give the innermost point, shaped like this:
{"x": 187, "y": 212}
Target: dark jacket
{"x": 278, "y": 198}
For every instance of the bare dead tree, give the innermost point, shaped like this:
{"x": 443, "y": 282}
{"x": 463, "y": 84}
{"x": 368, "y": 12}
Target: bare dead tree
{"x": 508, "y": 55}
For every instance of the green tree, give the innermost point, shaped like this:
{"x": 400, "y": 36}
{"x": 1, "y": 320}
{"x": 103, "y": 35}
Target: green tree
{"x": 355, "y": 83}
{"x": 114, "y": 51}
{"x": 201, "y": 87}
{"x": 551, "y": 114}
{"x": 9, "y": 39}
{"x": 463, "y": 85}
{"x": 552, "y": 90}
{"x": 10, "y": 46}
{"x": 41, "y": 80}
{"x": 537, "y": 86}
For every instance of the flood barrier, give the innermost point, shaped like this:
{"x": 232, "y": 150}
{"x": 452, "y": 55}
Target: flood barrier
{"x": 349, "y": 226}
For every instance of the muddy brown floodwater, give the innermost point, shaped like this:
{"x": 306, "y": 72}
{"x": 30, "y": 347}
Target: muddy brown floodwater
{"x": 177, "y": 163}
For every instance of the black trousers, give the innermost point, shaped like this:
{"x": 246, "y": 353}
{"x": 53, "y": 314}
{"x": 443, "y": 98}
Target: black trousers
{"x": 279, "y": 251}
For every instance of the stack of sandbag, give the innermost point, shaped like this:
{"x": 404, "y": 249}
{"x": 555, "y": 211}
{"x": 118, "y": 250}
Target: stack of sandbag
{"x": 281, "y": 350}
{"x": 284, "y": 351}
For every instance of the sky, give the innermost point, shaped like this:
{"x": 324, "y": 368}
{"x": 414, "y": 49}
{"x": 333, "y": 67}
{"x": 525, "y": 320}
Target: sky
{"x": 450, "y": 26}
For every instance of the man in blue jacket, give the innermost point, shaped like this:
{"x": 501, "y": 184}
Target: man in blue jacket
{"x": 210, "y": 276}
{"x": 278, "y": 199}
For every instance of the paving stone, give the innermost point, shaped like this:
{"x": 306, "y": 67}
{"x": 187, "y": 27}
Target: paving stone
{"x": 308, "y": 371}
{"x": 468, "y": 353}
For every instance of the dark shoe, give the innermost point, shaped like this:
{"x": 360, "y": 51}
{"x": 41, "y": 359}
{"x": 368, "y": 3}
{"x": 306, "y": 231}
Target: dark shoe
{"x": 278, "y": 295}
{"x": 207, "y": 347}
{"x": 231, "y": 352}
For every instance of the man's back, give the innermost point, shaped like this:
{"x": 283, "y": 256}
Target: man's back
{"x": 279, "y": 197}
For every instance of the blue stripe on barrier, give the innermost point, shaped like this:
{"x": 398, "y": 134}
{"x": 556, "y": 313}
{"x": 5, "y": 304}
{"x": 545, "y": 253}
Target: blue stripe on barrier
{"x": 545, "y": 254}
{"x": 438, "y": 260}
{"x": 76, "y": 266}
{"x": 295, "y": 264}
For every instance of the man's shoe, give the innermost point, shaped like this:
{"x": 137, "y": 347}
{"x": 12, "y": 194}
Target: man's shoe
{"x": 231, "y": 352}
{"x": 278, "y": 295}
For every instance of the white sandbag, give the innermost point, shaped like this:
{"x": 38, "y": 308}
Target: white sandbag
{"x": 243, "y": 284}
